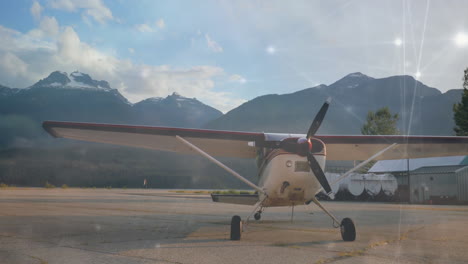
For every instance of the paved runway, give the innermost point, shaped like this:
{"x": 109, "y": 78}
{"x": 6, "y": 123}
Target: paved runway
{"x": 159, "y": 226}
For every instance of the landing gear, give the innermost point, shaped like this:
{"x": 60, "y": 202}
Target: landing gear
{"x": 258, "y": 215}
{"x": 236, "y": 227}
{"x": 348, "y": 230}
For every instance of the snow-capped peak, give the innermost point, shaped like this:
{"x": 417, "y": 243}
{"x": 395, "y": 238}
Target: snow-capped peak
{"x": 155, "y": 99}
{"x": 76, "y": 80}
{"x": 357, "y": 75}
{"x": 179, "y": 98}
{"x": 352, "y": 80}
{"x": 76, "y": 74}
{"x": 320, "y": 86}
{"x": 83, "y": 80}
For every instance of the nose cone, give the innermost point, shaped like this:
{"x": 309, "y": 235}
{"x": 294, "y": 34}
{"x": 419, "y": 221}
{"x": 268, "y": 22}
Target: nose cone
{"x": 304, "y": 146}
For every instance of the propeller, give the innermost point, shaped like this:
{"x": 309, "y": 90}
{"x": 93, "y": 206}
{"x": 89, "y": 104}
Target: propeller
{"x": 318, "y": 119}
{"x": 318, "y": 172}
{"x": 313, "y": 163}
{"x": 303, "y": 147}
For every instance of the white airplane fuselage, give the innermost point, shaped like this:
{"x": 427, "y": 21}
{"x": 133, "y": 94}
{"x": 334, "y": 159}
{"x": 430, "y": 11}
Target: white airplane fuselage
{"x": 287, "y": 179}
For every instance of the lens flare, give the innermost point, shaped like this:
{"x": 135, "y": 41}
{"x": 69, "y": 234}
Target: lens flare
{"x": 271, "y": 49}
{"x": 461, "y": 39}
{"x": 398, "y": 42}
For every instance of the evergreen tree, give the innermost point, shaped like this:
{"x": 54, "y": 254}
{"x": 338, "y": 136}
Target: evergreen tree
{"x": 460, "y": 110}
{"x": 382, "y": 122}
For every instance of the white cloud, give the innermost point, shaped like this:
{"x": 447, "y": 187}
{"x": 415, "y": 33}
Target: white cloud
{"x": 237, "y": 78}
{"x": 131, "y": 50}
{"x": 213, "y": 45}
{"x": 49, "y": 26}
{"x": 13, "y": 65}
{"x": 145, "y": 28}
{"x": 15, "y": 41}
{"x": 90, "y": 8}
{"x": 160, "y": 23}
{"x": 12, "y": 69}
{"x": 138, "y": 82}
{"x": 67, "y": 5}
{"x": 36, "y": 10}
{"x": 22, "y": 65}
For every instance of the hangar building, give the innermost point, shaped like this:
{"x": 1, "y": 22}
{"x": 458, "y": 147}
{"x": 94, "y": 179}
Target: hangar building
{"x": 441, "y": 180}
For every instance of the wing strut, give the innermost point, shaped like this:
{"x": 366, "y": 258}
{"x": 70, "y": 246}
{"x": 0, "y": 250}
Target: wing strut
{"x": 215, "y": 161}
{"x": 336, "y": 223}
{"x": 362, "y": 164}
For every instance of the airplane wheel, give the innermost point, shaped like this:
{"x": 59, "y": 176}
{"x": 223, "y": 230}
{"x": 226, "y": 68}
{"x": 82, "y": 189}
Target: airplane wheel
{"x": 236, "y": 227}
{"x": 257, "y": 216}
{"x": 348, "y": 230}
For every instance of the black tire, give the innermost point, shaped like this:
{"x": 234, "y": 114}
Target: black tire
{"x": 348, "y": 230}
{"x": 257, "y": 216}
{"x": 236, "y": 228}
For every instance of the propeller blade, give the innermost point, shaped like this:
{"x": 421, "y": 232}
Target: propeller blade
{"x": 318, "y": 119}
{"x": 318, "y": 172}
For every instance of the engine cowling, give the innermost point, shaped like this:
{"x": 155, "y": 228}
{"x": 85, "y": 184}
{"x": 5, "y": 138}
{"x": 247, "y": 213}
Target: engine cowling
{"x": 299, "y": 146}
{"x": 302, "y": 146}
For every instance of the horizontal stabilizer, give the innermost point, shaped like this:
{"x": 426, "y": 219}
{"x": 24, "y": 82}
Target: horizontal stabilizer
{"x": 246, "y": 199}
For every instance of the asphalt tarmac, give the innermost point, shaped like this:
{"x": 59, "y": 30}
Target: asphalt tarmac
{"x": 161, "y": 226}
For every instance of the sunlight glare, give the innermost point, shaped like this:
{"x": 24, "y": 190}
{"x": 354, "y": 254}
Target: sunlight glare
{"x": 398, "y": 42}
{"x": 271, "y": 49}
{"x": 461, "y": 39}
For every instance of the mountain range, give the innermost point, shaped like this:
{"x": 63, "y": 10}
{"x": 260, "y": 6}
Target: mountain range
{"x": 422, "y": 110}
{"x": 78, "y": 97}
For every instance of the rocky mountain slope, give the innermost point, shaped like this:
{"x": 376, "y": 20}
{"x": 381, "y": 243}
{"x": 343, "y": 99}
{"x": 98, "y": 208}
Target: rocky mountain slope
{"x": 77, "y": 97}
{"x": 423, "y": 110}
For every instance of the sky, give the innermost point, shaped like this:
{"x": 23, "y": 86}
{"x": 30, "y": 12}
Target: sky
{"x": 225, "y": 53}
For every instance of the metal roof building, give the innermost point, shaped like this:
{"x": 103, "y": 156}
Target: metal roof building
{"x": 444, "y": 184}
{"x": 431, "y": 180}
{"x": 401, "y": 165}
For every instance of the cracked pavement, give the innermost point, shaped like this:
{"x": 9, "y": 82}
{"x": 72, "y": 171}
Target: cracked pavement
{"x": 159, "y": 226}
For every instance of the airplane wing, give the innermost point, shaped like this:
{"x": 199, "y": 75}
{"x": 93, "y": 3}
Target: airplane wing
{"x": 363, "y": 147}
{"x": 245, "y": 199}
{"x": 214, "y": 142}
{"x": 237, "y": 144}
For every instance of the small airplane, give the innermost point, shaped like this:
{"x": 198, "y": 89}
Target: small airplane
{"x": 290, "y": 166}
